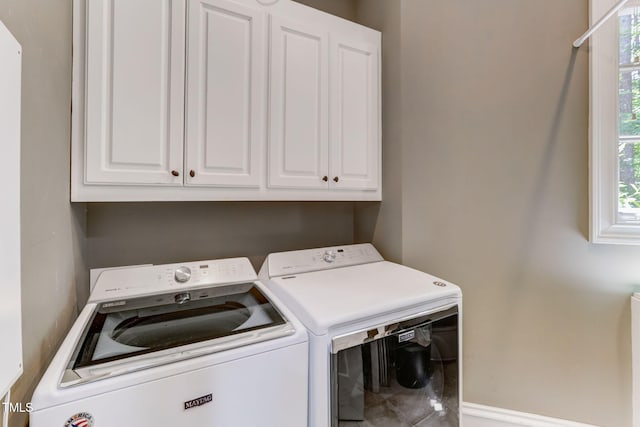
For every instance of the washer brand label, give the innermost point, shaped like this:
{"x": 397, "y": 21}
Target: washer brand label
{"x": 406, "y": 336}
{"x": 198, "y": 401}
{"x": 82, "y": 419}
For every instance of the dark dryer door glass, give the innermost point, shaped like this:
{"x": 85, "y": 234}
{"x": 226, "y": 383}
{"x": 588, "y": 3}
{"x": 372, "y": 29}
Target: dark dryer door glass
{"x": 404, "y": 374}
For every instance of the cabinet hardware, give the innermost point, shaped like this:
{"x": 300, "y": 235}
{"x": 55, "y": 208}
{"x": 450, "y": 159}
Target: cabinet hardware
{"x": 175, "y": 173}
{"x": 336, "y": 179}
{"x": 325, "y": 178}
{"x": 192, "y": 173}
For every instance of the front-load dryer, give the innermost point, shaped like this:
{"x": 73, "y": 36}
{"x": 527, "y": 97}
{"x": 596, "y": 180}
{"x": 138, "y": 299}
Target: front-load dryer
{"x": 384, "y": 339}
{"x": 199, "y": 343}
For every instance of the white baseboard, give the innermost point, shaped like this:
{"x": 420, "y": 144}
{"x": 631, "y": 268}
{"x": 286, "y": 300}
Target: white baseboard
{"x": 474, "y": 415}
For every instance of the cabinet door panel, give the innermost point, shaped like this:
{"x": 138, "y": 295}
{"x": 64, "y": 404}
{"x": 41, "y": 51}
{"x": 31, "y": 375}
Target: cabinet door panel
{"x": 135, "y": 91}
{"x": 298, "y": 152}
{"x": 225, "y": 92}
{"x": 354, "y": 115}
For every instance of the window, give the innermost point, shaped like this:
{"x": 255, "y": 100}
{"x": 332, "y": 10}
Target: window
{"x": 615, "y": 126}
{"x": 629, "y": 114}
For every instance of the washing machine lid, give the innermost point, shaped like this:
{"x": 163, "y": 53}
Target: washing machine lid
{"x": 334, "y": 297}
{"x": 137, "y": 333}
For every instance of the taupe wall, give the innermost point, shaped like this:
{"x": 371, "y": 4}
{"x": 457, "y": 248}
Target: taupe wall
{"x": 495, "y": 197}
{"x": 133, "y": 233}
{"x": 52, "y": 230}
{"x": 381, "y": 223}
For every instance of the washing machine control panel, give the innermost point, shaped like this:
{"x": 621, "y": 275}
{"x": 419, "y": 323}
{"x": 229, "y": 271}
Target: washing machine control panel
{"x": 208, "y": 273}
{"x": 145, "y": 280}
{"x": 296, "y": 262}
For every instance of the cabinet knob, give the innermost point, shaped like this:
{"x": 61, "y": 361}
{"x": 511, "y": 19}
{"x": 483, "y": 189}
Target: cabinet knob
{"x": 325, "y": 178}
{"x": 336, "y": 179}
{"x": 175, "y": 173}
{"x": 192, "y": 173}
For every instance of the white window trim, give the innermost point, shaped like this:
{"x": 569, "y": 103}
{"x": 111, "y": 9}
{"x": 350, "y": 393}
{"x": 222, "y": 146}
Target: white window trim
{"x": 603, "y": 119}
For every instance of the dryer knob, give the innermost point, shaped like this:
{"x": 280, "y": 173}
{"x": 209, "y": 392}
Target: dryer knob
{"x": 182, "y": 274}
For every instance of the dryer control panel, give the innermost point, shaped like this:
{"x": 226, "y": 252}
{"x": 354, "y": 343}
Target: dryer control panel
{"x": 297, "y": 262}
{"x": 151, "y": 279}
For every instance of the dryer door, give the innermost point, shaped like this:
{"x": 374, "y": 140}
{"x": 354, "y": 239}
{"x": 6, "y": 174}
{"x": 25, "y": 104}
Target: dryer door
{"x": 400, "y": 374}
{"x": 138, "y": 333}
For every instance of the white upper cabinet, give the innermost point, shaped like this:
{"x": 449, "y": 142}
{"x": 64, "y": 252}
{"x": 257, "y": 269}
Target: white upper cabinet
{"x": 225, "y": 94}
{"x": 223, "y": 100}
{"x": 355, "y": 124}
{"x": 134, "y": 91}
{"x": 299, "y": 83}
{"x": 324, "y": 105}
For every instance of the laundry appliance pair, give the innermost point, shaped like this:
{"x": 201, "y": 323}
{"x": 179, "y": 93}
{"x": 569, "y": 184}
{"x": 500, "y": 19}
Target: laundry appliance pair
{"x": 327, "y": 337}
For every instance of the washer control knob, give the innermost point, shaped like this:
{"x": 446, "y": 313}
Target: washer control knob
{"x": 182, "y": 298}
{"x": 182, "y": 274}
{"x": 329, "y": 256}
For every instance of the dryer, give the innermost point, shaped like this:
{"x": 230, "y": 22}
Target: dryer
{"x": 384, "y": 339}
{"x": 199, "y": 343}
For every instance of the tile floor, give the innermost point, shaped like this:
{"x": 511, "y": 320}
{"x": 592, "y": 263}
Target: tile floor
{"x": 435, "y": 405}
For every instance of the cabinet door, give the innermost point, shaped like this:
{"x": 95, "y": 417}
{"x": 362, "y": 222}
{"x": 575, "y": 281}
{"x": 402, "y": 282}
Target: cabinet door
{"x": 225, "y": 94}
{"x": 298, "y": 135}
{"x": 134, "y": 91}
{"x": 355, "y": 115}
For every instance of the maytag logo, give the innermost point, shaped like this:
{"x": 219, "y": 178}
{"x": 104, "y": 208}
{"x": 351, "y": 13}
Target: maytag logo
{"x": 198, "y": 401}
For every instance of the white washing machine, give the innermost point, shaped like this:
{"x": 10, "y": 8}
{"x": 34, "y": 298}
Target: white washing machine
{"x": 199, "y": 343}
{"x": 384, "y": 339}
